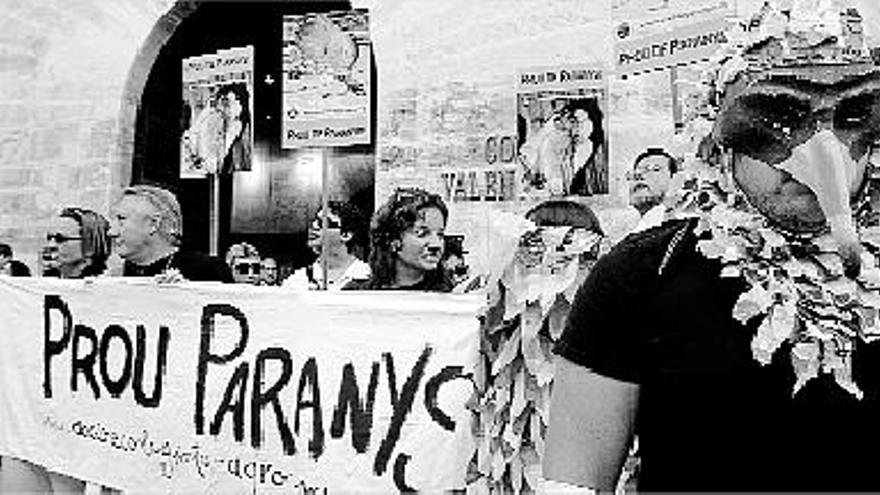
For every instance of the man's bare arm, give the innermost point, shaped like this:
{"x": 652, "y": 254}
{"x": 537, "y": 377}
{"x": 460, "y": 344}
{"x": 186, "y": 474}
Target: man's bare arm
{"x": 591, "y": 426}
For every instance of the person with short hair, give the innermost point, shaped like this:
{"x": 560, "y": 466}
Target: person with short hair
{"x": 649, "y": 181}
{"x": 268, "y": 271}
{"x": 344, "y": 239}
{"x": 406, "y": 244}
{"x": 77, "y": 244}
{"x": 147, "y": 229}
{"x": 245, "y": 263}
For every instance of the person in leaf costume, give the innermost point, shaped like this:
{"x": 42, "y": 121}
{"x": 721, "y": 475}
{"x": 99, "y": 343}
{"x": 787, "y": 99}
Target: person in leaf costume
{"x": 738, "y": 339}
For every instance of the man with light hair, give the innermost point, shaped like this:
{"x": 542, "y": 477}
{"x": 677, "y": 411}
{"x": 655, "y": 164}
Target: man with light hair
{"x": 739, "y": 340}
{"x": 147, "y": 229}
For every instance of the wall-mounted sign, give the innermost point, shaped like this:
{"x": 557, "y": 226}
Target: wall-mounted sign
{"x": 651, "y": 34}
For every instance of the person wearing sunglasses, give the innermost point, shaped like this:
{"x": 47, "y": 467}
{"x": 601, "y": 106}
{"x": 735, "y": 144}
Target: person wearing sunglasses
{"x": 244, "y": 261}
{"x": 77, "y": 244}
{"x": 339, "y": 247}
{"x": 407, "y": 243}
{"x": 741, "y": 345}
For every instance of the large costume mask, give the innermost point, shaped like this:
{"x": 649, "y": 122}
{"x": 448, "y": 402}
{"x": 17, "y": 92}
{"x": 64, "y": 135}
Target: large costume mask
{"x": 788, "y": 208}
{"x": 801, "y": 138}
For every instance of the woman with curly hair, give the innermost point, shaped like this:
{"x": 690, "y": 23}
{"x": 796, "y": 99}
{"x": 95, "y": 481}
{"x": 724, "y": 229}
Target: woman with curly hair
{"x": 406, "y": 244}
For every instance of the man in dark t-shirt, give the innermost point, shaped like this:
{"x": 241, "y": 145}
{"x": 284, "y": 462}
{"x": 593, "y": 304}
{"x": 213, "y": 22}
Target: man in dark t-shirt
{"x": 709, "y": 416}
{"x": 740, "y": 345}
{"x": 146, "y": 227}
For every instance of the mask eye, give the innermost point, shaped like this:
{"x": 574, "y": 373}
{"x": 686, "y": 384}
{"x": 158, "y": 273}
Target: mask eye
{"x": 858, "y": 112}
{"x": 762, "y": 126}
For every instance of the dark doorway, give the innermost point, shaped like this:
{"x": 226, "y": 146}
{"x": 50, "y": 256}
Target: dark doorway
{"x": 210, "y": 27}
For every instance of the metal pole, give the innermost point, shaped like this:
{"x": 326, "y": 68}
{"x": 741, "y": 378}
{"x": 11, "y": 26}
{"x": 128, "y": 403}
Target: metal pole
{"x": 214, "y": 214}
{"x": 325, "y": 207}
{"x": 676, "y": 107}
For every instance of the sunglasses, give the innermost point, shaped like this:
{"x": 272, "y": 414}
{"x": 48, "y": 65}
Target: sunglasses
{"x": 332, "y": 223}
{"x": 61, "y": 238}
{"x": 247, "y": 268}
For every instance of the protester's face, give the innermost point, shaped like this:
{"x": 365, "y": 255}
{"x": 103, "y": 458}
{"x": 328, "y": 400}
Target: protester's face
{"x": 133, "y": 220}
{"x": 269, "y": 271}
{"x": 63, "y": 248}
{"x": 246, "y": 270}
{"x": 421, "y": 246}
{"x": 764, "y": 123}
{"x": 335, "y": 237}
{"x": 649, "y": 180}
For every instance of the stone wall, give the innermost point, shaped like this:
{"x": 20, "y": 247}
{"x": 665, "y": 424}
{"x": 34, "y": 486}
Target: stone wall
{"x": 63, "y": 69}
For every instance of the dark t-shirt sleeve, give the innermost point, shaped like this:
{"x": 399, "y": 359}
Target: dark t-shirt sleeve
{"x": 609, "y": 325}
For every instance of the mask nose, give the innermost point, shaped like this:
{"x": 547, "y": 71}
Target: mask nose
{"x": 824, "y": 165}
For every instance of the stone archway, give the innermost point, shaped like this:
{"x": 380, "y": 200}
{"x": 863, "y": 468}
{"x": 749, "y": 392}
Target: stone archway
{"x": 135, "y": 82}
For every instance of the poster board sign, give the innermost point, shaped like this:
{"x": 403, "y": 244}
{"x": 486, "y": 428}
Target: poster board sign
{"x": 218, "y": 105}
{"x": 326, "y": 80}
{"x": 211, "y": 388}
{"x": 651, "y": 35}
{"x": 561, "y": 131}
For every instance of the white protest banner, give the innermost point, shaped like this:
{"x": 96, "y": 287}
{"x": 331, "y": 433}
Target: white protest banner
{"x": 326, "y": 79}
{"x": 651, "y": 35}
{"x": 211, "y": 388}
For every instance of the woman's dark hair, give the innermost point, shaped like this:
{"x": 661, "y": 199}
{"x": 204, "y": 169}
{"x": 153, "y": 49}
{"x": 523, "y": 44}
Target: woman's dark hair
{"x": 581, "y": 184}
{"x": 399, "y": 213}
{"x": 564, "y": 213}
{"x": 95, "y": 242}
{"x": 353, "y": 221}
{"x": 241, "y": 92}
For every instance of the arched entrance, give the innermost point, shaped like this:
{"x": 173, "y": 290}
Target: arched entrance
{"x": 152, "y": 118}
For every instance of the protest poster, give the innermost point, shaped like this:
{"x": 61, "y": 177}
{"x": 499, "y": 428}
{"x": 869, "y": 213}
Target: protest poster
{"x": 561, "y": 131}
{"x": 658, "y": 34}
{"x": 326, "y": 81}
{"x": 212, "y": 388}
{"x": 217, "y": 135}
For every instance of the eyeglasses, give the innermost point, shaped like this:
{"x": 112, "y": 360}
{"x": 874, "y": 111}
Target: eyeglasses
{"x": 60, "y": 238}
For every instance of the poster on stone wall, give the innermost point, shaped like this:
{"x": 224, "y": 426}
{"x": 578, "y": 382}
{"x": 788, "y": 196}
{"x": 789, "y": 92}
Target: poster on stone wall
{"x": 561, "y": 134}
{"x": 657, "y": 34}
{"x": 326, "y": 79}
{"x": 217, "y": 131}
